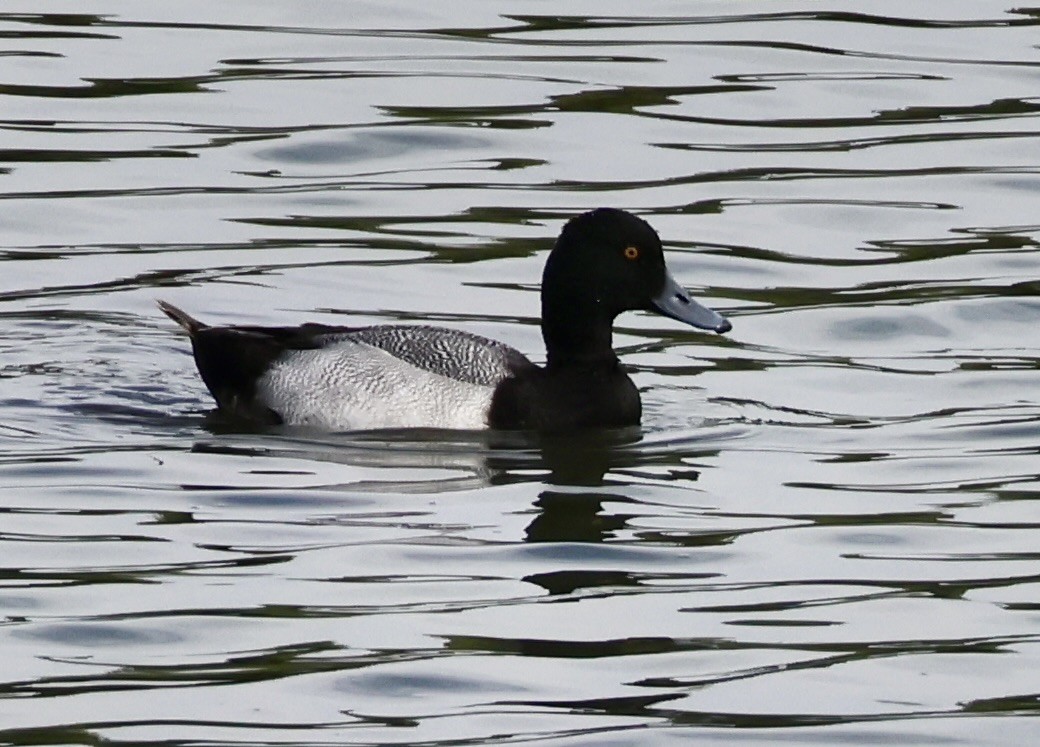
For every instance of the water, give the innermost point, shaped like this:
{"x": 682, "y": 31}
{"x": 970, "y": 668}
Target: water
{"x": 825, "y": 530}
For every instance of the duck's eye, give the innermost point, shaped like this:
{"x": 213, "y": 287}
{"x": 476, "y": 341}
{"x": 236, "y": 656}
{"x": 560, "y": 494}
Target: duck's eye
{"x": 631, "y": 252}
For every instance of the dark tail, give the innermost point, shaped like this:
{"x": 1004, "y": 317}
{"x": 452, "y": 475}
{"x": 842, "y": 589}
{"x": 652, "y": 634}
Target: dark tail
{"x": 190, "y": 324}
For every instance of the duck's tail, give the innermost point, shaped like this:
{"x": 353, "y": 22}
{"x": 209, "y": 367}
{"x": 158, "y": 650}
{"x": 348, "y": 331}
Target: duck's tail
{"x": 190, "y": 324}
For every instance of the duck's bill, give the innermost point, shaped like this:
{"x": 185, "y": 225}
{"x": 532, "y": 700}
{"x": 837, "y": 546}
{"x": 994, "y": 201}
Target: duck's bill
{"x": 675, "y": 301}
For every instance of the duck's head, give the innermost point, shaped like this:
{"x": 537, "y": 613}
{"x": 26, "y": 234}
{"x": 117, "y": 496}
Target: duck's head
{"x": 608, "y": 261}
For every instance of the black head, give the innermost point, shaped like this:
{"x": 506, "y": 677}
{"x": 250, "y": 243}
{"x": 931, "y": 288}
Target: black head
{"x": 605, "y": 262}
{"x": 606, "y": 257}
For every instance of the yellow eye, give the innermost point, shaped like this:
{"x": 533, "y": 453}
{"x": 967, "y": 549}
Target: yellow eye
{"x": 631, "y": 252}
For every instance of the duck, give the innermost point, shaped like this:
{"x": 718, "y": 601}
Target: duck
{"x": 335, "y": 378}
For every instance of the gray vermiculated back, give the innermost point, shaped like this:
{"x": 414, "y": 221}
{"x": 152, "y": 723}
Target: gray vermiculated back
{"x": 448, "y": 352}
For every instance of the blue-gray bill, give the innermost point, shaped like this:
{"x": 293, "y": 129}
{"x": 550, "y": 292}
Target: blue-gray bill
{"x": 675, "y": 302}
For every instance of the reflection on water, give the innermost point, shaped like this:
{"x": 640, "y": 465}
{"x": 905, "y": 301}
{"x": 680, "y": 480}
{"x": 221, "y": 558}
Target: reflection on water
{"x": 823, "y": 532}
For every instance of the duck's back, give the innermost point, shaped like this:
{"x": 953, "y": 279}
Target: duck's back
{"x": 451, "y": 353}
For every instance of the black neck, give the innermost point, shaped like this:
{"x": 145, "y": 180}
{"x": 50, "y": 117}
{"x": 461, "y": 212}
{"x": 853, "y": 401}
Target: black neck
{"x": 577, "y": 332}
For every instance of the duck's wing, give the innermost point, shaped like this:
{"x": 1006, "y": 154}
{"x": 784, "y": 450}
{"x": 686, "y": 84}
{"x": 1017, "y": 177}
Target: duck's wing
{"x": 389, "y": 377}
{"x": 234, "y": 360}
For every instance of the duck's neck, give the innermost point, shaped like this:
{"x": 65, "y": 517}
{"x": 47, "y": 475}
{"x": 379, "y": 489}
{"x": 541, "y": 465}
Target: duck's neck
{"x": 577, "y": 332}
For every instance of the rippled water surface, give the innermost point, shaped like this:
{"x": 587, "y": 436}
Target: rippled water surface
{"x": 826, "y": 529}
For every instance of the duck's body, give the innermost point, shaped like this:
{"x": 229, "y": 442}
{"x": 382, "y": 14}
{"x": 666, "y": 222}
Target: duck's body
{"x": 398, "y": 376}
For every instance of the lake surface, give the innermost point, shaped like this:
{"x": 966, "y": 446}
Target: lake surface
{"x": 826, "y": 529}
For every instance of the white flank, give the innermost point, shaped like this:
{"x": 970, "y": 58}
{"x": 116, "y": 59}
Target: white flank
{"x": 350, "y": 385}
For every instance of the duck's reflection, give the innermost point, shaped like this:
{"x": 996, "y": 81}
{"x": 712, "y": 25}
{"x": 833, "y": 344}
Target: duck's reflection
{"x": 409, "y": 460}
{"x": 584, "y": 477}
{"x": 574, "y": 517}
